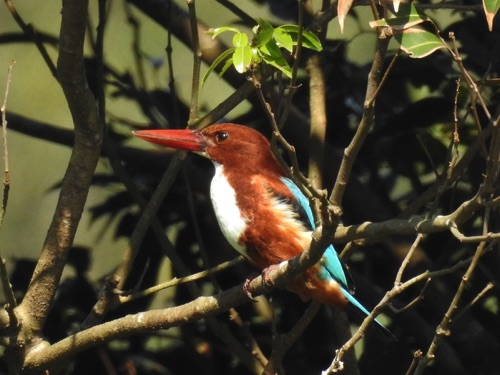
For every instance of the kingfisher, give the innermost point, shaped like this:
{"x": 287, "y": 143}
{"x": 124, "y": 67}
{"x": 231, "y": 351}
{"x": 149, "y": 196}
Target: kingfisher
{"x": 261, "y": 212}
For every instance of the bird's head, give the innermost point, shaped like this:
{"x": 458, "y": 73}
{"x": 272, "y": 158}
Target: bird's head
{"x": 225, "y": 144}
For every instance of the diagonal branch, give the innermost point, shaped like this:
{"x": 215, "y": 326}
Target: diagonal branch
{"x": 352, "y": 150}
{"x": 202, "y": 307}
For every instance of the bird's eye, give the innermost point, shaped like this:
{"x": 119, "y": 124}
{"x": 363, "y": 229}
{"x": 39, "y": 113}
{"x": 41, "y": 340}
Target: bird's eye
{"x": 221, "y": 136}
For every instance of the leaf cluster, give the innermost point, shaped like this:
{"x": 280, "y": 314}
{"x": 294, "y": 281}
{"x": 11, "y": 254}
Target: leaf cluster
{"x": 265, "y": 47}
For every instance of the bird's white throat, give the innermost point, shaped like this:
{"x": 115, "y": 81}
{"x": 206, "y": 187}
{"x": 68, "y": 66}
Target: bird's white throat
{"x": 226, "y": 209}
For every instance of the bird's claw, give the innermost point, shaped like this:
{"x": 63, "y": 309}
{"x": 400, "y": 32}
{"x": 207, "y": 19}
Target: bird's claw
{"x": 266, "y": 275}
{"x": 246, "y": 286}
{"x": 266, "y": 279}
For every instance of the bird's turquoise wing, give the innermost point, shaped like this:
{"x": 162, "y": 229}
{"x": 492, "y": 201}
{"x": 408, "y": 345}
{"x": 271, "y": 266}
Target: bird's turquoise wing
{"x": 332, "y": 266}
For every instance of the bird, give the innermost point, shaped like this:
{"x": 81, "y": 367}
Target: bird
{"x": 261, "y": 212}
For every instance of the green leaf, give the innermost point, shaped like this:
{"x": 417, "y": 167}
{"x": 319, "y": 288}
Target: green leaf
{"x": 224, "y": 55}
{"x": 309, "y": 39}
{"x": 283, "y": 38}
{"x": 226, "y": 66}
{"x": 256, "y": 55}
{"x": 406, "y": 17}
{"x": 240, "y": 40}
{"x": 264, "y": 33}
{"x": 271, "y": 49}
{"x": 418, "y": 42}
{"x": 219, "y": 30}
{"x": 242, "y": 57}
{"x": 279, "y": 63}
{"x": 491, "y": 6}
{"x": 490, "y": 10}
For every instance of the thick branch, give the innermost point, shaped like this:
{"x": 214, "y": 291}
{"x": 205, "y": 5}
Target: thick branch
{"x": 131, "y": 325}
{"x": 202, "y": 307}
{"x": 78, "y": 177}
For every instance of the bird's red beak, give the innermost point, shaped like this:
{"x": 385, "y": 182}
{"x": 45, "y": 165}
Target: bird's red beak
{"x": 184, "y": 139}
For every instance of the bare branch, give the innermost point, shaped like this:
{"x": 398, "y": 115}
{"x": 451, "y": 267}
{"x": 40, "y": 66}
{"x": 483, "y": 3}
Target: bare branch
{"x": 337, "y": 363}
{"x": 351, "y": 152}
{"x": 78, "y": 177}
{"x": 6, "y": 173}
{"x": 30, "y": 32}
{"x": 443, "y": 328}
{"x": 195, "y": 84}
{"x": 282, "y": 343}
{"x": 181, "y": 280}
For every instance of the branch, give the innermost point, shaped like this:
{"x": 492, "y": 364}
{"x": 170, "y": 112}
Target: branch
{"x": 4, "y": 279}
{"x": 337, "y": 363}
{"x": 32, "y": 34}
{"x": 416, "y": 224}
{"x": 195, "y": 83}
{"x": 317, "y": 105}
{"x": 443, "y": 328}
{"x": 6, "y": 174}
{"x": 76, "y": 182}
{"x": 352, "y": 151}
{"x": 202, "y": 307}
{"x": 180, "y": 280}
{"x": 282, "y": 343}
{"x": 143, "y": 322}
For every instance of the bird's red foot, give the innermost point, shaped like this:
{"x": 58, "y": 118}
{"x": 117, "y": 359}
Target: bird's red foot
{"x": 266, "y": 275}
{"x": 246, "y": 286}
{"x": 266, "y": 278}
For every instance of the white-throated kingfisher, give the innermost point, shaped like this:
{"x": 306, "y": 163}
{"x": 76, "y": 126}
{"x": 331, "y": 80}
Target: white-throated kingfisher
{"x": 260, "y": 211}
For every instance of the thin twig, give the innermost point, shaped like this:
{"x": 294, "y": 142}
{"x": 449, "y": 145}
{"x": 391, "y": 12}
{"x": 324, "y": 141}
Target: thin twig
{"x": 476, "y": 299}
{"x": 413, "y": 302}
{"x": 337, "y": 363}
{"x": 8, "y": 291}
{"x": 99, "y": 49}
{"x": 384, "y": 78}
{"x": 416, "y": 358}
{"x": 352, "y": 150}
{"x": 406, "y": 260}
{"x": 286, "y": 104}
{"x": 31, "y": 33}
{"x": 6, "y": 172}
{"x": 444, "y": 327}
{"x": 249, "y": 337}
{"x": 148, "y": 214}
{"x": 470, "y": 82}
{"x": 180, "y": 280}
{"x": 136, "y": 45}
{"x": 282, "y": 343}
{"x": 6, "y": 286}
{"x": 171, "y": 75}
{"x": 240, "y": 13}
{"x": 195, "y": 84}
{"x": 463, "y": 238}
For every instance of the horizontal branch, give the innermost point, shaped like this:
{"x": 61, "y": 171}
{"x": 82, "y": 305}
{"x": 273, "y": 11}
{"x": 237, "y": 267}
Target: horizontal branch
{"x": 38, "y": 361}
{"x": 43, "y": 360}
{"x": 415, "y": 224}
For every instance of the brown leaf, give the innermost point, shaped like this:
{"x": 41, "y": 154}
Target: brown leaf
{"x": 342, "y": 10}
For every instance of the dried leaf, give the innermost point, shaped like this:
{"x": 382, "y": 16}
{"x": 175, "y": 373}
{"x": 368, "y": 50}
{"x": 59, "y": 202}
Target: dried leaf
{"x": 343, "y": 8}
